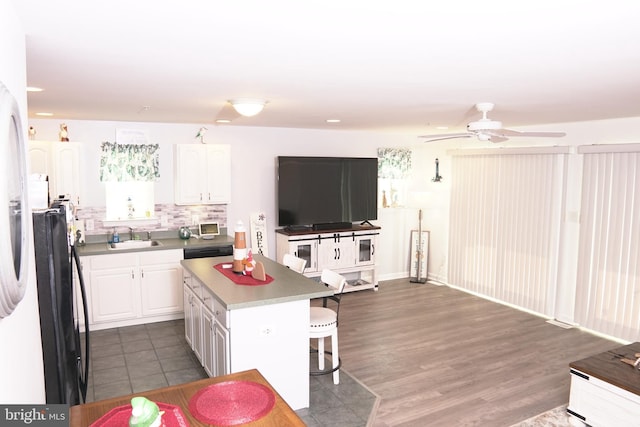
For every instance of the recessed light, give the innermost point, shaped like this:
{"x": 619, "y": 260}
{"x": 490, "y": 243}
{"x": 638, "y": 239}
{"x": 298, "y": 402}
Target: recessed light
{"x": 44, "y": 114}
{"x": 333, "y": 120}
{"x": 442, "y": 127}
{"x": 34, "y": 89}
{"x": 223, "y": 121}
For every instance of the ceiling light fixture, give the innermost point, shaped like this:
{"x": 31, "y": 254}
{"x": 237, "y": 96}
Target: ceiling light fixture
{"x": 34, "y": 89}
{"x": 333, "y": 120}
{"x": 44, "y": 114}
{"x": 248, "y": 107}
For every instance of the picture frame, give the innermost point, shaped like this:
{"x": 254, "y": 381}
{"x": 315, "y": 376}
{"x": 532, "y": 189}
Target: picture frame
{"x": 424, "y": 256}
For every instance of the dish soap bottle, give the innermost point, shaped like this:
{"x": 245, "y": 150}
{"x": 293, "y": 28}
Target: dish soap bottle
{"x": 116, "y": 236}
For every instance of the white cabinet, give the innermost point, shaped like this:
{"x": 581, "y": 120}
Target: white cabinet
{"x": 351, "y": 253}
{"x": 336, "y": 251}
{"x": 114, "y": 289}
{"x": 206, "y": 327}
{"x": 599, "y": 403}
{"x": 61, "y": 162}
{"x": 202, "y": 174}
{"x": 304, "y": 247}
{"x": 160, "y": 279}
{"x": 132, "y": 288}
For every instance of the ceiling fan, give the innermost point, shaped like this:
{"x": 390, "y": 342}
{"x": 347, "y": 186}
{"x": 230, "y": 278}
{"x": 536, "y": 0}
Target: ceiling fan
{"x": 486, "y": 129}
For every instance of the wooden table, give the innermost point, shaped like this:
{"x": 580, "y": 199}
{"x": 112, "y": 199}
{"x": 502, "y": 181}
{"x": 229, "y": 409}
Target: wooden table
{"x": 179, "y": 395}
{"x": 604, "y": 390}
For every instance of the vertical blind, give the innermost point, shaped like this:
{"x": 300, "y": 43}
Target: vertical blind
{"x": 608, "y": 277}
{"x": 505, "y": 225}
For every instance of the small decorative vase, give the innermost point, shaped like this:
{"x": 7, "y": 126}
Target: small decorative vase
{"x": 184, "y": 233}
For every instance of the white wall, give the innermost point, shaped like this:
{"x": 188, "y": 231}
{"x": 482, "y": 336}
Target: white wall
{"x": 21, "y": 369}
{"x": 253, "y": 152}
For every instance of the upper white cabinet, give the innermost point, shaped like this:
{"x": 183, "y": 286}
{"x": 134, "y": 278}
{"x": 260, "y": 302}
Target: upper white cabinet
{"x": 60, "y": 161}
{"x": 202, "y": 174}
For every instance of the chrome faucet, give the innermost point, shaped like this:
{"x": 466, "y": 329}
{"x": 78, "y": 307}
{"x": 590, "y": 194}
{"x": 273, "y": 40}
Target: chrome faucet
{"x": 131, "y": 235}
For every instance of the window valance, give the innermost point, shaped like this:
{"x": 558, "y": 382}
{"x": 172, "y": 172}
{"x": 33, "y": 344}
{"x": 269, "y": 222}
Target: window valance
{"x": 129, "y": 162}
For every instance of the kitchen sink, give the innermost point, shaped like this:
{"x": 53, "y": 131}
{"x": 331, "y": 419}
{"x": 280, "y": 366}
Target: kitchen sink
{"x": 133, "y": 244}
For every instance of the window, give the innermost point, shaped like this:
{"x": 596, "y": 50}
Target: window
{"x": 129, "y": 172}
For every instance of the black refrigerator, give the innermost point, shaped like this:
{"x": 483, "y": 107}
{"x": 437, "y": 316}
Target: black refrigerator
{"x": 65, "y": 355}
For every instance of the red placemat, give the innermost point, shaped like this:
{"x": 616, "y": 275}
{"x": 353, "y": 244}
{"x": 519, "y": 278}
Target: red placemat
{"x": 118, "y": 417}
{"x": 241, "y": 279}
{"x": 231, "y": 403}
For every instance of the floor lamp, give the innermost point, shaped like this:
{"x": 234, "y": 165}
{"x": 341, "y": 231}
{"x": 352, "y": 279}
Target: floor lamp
{"x": 419, "y": 253}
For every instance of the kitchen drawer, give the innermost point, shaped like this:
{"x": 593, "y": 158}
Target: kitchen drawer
{"x": 222, "y": 315}
{"x": 198, "y": 288}
{"x": 216, "y": 307}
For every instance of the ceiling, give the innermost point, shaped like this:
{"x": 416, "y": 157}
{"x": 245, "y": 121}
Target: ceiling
{"x": 402, "y": 67}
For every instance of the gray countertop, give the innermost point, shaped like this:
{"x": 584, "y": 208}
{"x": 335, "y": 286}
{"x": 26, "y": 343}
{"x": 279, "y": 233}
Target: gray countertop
{"x": 101, "y": 248}
{"x": 287, "y": 285}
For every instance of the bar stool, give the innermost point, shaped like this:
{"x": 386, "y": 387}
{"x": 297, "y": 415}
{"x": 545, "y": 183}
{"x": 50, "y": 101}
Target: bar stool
{"x": 294, "y": 263}
{"x": 324, "y": 324}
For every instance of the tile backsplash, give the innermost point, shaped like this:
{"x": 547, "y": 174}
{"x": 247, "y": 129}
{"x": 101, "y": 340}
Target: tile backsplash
{"x": 177, "y": 216}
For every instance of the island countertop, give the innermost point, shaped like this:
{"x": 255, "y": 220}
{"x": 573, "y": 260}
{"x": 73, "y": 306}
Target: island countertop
{"x": 287, "y": 285}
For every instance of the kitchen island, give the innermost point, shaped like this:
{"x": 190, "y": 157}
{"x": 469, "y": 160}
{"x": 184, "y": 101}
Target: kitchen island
{"x": 234, "y": 328}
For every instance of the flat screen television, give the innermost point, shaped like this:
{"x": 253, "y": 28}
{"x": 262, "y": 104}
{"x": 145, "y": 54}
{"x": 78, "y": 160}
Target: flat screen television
{"x": 320, "y": 191}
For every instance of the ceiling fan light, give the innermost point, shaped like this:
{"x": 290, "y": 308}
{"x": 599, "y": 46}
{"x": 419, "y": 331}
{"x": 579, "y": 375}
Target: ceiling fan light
{"x": 248, "y": 107}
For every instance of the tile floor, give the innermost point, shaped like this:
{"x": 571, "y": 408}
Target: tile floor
{"x": 138, "y": 358}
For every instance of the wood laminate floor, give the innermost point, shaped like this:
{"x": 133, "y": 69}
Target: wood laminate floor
{"x": 442, "y": 357}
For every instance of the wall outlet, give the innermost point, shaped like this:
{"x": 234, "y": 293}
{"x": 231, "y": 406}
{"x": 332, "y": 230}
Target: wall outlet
{"x": 195, "y": 219}
{"x": 88, "y": 225}
{"x": 164, "y": 221}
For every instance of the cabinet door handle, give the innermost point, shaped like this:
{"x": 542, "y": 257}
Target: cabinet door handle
{"x": 132, "y": 274}
{"x": 142, "y": 273}
{"x": 373, "y": 249}
{"x": 338, "y": 253}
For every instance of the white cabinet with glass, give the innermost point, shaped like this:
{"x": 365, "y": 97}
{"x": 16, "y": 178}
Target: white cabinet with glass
{"x": 202, "y": 174}
{"x": 133, "y": 288}
{"x": 350, "y": 252}
{"x": 60, "y": 161}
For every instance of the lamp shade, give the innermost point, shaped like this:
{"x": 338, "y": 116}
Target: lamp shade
{"x": 248, "y": 107}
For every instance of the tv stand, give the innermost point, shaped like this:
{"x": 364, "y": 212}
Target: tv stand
{"x": 332, "y": 226}
{"x": 350, "y": 252}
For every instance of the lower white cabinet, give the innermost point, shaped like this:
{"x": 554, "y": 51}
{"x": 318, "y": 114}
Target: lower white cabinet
{"x": 350, "y": 252}
{"x": 132, "y": 288}
{"x": 206, "y": 327}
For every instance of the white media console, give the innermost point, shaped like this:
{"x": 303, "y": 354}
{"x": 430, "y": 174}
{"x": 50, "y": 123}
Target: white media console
{"x": 348, "y": 251}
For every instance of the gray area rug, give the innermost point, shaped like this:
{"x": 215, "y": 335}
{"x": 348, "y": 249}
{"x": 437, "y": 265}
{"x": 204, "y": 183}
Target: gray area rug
{"x": 556, "y": 417}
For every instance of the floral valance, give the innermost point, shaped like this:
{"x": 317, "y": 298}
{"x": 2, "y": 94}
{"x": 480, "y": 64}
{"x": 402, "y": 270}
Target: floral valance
{"x": 394, "y": 163}
{"x": 129, "y": 162}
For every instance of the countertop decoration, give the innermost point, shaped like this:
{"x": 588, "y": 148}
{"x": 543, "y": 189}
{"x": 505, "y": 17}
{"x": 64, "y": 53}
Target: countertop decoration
{"x": 241, "y": 279}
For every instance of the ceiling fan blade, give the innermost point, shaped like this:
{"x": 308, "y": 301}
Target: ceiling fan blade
{"x": 441, "y": 137}
{"x": 511, "y": 132}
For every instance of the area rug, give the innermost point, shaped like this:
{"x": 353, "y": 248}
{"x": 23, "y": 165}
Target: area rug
{"x": 556, "y": 417}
